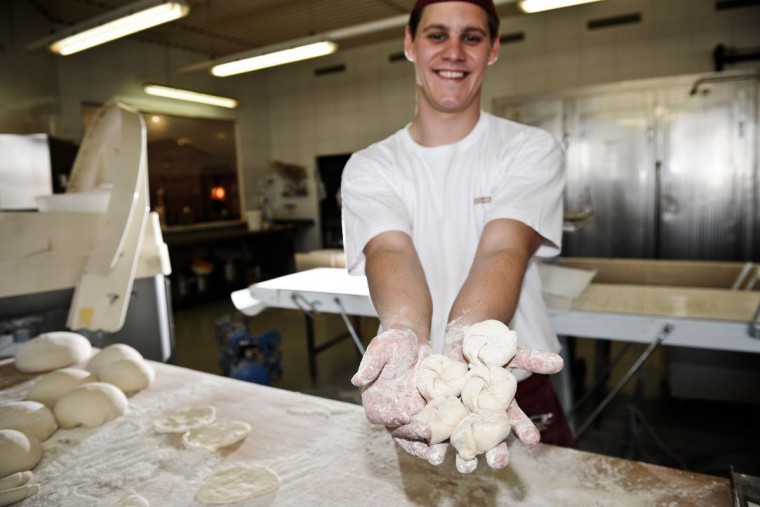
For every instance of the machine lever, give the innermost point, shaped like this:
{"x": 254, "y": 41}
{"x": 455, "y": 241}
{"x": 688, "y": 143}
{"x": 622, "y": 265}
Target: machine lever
{"x": 666, "y": 330}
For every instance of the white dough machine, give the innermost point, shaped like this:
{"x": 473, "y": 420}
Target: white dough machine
{"x": 92, "y": 259}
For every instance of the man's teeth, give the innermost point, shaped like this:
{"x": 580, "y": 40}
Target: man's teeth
{"x": 451, "y": 74}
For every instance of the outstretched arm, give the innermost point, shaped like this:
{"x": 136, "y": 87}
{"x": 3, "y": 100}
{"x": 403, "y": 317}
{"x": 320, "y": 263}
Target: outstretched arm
{"x": 492, "y": 287}
{"x": 397, "y": 284}
{"x": 387, "y": 373}
{"x": 492, "y": 291}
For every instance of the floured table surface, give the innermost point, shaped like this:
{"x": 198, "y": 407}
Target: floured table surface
{"x": 326, "y": 453}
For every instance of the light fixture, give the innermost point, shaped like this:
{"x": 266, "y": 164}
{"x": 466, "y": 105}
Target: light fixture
{"x": 272, "y": 59}
{"x": 180, "y": 94}
{"x": 114, "y": 24}
{"x": 531, "y": 6}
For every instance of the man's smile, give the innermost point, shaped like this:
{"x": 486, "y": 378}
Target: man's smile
{"x": 451, "y": 74}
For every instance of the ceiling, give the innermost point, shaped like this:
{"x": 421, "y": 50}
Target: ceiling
{"x": 216, "y": 28}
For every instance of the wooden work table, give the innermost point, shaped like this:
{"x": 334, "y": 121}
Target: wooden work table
{"x": 326, "y": 453}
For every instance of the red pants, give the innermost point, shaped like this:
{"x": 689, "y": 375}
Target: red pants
{"x": 537, "y": 399}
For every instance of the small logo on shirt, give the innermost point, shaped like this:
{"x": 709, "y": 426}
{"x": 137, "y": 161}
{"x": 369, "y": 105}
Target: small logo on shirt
{"x": 482, "y": 200}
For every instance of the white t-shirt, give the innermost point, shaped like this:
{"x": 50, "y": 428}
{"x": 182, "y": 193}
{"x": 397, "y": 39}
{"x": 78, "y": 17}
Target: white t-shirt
{"x": 443, "y": 196}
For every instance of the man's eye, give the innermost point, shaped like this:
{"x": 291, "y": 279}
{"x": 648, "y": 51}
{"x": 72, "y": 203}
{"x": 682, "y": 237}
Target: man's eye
{"x": 473, "y": 39}
{"x": 437, "y": 36}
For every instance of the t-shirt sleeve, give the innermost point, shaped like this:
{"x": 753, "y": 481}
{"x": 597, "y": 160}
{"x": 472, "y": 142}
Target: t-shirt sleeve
{"x": 530, "y": 189}
{"x": 372, "y": 204}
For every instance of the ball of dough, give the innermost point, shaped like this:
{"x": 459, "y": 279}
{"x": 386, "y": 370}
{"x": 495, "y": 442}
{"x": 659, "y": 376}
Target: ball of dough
{"x": 90, "y": 405}
{"x": 442, "y": 415}
{"x": 50, "y": 351}
{"x": 129, "y": 375}
{"x": 440, "y": 377}
{"x": 489, "y": 343}
{"x": 480, "y": 432}
{"x": 55, "y": 384}
{"x": 488, "y": 388}
{"x": 18, "y": 452}
{"x": 110, "y": 354}
{"x": 29, "y": 417}
{"x": 133, "y": 500}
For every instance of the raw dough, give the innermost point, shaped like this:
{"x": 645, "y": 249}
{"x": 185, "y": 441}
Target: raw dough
{"x": 110, "y": 354}
{"x": 50, "y": 351}
{"x": 488, "y": 388}
{"x": 15, "y": 480}
{"x": 442, "y": 415}
{"x": 480, "y": 432}
{"x": 190, "y": 418}
{"x": 13, "y": 495}
{"x": 489, "y": 343}
{"x": 440, "y": 377}
{"x": 133, "y": 500}
{"x": 30, "y": 417}
{"x": 129, "y": 375}
{"x": 238, "y": 483}
{"x": 90, "y": 405}
{"x": 217, "y": 435}
{"x": 52, "y": 386}
{"x": 18, "y": 452}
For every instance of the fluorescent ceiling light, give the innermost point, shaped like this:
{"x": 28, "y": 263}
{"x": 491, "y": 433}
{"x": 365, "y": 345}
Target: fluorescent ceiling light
{"x": 263, "y": 61}
{"x": 180, "y": 94}
{"x": 531, "y": 6}
{"x": 118, "y": 23}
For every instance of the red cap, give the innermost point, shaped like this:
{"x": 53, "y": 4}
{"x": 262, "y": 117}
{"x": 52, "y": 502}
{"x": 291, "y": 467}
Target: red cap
{"x": 487, "y": 5}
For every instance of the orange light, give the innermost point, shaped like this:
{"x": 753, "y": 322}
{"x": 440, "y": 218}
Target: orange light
{"x": 218, "y": 193}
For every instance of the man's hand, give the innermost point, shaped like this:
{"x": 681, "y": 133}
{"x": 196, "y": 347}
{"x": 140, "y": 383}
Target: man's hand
{"x": 387, "y": 378}
{"x": 536, "y": 361}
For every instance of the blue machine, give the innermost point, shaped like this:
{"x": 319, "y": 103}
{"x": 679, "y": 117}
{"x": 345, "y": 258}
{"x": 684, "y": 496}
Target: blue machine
{"x": 244, "y": 356}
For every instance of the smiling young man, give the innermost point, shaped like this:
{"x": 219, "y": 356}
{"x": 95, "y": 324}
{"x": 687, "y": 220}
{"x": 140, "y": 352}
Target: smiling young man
{"x": 445, "y": 218}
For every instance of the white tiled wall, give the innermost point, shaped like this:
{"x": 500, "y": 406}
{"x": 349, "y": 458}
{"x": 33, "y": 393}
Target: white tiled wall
{"x": 291, "y": 115}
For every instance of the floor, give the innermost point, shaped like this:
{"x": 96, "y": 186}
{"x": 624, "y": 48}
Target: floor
{"x": 701, "y": 436}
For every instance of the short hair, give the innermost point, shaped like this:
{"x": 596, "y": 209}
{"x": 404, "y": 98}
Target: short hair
{"x": 416, "y": 16}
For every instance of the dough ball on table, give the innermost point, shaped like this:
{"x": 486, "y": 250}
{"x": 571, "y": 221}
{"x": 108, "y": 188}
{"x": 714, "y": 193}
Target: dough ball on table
{"x": 489, "y": 343}
{"x": 488, "y": 388}
{"x": 13, "y": 495}
{"x": 29, "y": 417}
{"x": 238, "y": 483}
{"x": 480, "y": 432}
{"x": 185, "y": 420}
{"x": 90, "y": 405}
{"x": 133, "y": 500}
{"x": 129, "y": 375}
{"x": 442, "y": 415}
{"x": 110, "y": 354}
{"x": 18, "y": 452}
{"x": 50, "y": 351}
{"x": 217, "y": 435}
{"x": 440, "y": 377}
{"x": 15, "y": 480}
{"x": 55, "y": 384}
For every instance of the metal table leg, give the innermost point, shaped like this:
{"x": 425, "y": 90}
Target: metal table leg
{"x": 623, "y": 381}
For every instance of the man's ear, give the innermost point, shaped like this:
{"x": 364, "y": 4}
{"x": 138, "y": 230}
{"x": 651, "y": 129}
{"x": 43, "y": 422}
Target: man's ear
{"x": 495, "y": 50}
{"x": 408, "y": 45}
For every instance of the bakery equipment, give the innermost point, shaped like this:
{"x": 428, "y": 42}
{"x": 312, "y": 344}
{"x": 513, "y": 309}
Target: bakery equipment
{"x": 93, "y": 259}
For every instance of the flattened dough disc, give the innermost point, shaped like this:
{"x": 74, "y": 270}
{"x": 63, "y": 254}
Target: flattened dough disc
{"x": 187, "y": 419}
{"x": 217, "y": 435}
{"x": 238, "y": 483}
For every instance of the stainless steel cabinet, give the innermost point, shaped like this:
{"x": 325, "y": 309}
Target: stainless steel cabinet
{"x": 667, "y": 167}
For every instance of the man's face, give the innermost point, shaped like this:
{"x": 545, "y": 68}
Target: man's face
{"x": 451, "y": 52}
